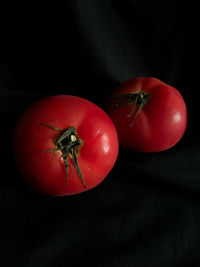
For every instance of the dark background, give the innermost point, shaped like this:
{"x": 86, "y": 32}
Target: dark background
{"x": 146, "y": 212}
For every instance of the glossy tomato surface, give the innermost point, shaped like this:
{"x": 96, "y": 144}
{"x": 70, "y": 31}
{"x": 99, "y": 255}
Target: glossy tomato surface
{"x": 43, "y": 168}
{"x": 159, "y": 125}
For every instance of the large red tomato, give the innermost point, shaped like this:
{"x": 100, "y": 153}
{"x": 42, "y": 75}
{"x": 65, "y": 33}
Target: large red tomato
{"x": 149, "y": 114}
{"x": 65, "y": 145}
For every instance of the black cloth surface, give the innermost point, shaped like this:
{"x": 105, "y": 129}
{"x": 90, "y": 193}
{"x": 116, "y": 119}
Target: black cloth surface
{"x": 147, "y": 211}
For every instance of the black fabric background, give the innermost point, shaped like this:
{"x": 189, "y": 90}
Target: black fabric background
{"x": 146, "y": 212}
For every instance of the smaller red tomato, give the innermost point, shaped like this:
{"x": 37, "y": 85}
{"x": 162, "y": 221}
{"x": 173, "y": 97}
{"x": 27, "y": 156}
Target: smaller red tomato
{"x": 149, "y": 114}
{"x": 65, "y": 145}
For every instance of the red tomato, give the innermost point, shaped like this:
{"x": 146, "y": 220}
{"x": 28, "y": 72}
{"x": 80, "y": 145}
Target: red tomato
{"x": 149, "y": 114}
{"x": 65, "y": 145}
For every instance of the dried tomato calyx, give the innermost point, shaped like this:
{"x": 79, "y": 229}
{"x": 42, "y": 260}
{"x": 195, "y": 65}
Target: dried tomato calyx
{"x": 67, "y": 142}
{"x": 141, "y": 98}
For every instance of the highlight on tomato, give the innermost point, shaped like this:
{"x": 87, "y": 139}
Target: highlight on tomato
{"x": 149, "y": 115}
{"x": 65, "y": 145}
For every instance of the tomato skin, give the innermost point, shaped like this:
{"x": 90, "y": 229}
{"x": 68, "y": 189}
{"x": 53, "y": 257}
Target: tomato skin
{"x": 45, "y": 171}
{"x": 159, "y": 125}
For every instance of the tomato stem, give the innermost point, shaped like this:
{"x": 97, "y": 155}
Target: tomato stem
{"x": 141, "y": 98}
{"x": 66, "y": 143}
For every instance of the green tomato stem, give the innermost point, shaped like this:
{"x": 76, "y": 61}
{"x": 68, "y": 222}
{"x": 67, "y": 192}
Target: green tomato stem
{"x": 141, "y": 98}
{"x": 66, "y": 143}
